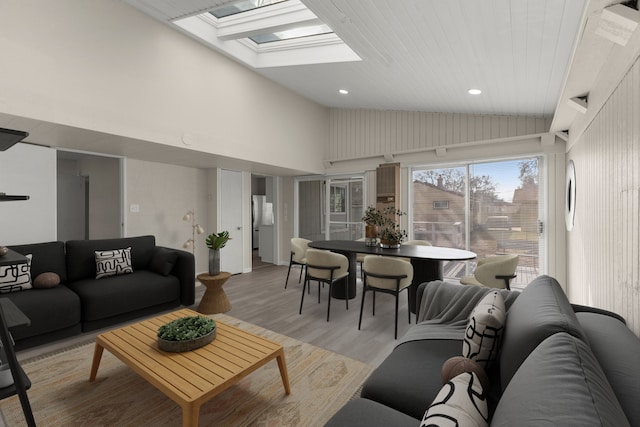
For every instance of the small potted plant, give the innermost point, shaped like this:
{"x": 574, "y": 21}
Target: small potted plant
{"x": 372, "y": 218}
{"x": 390, "y": 233}
{"x": 186, "y": 333}
{"x": 215, "y": 242}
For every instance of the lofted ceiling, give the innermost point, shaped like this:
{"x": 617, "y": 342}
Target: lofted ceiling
{"x": 416, "y": 55}
{"x": 424, "y": 55}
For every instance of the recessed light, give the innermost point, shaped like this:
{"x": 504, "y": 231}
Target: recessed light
{"x": 343, "y": 92}
{"x": 474, "y": 91}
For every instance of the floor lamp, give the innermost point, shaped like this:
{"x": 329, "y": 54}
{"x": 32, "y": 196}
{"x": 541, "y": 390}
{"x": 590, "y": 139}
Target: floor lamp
{"x": 195, "y": 229}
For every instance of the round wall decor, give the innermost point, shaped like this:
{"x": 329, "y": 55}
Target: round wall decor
{"x": 570, "y": 194}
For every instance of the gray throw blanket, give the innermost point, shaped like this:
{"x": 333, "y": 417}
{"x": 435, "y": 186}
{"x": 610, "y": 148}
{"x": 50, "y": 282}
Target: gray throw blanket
{"x": 445, "y": 308}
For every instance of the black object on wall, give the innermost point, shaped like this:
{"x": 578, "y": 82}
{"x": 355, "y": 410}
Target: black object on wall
{"x": 10, "y": 137}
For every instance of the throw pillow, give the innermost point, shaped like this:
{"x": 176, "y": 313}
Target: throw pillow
{"x": 113, "y": 262}
{"x": 484, "y": 329}
{"x": 15, "y": 277}
{"x": 457, "y": 365}
{"x": 46, "y": 280}
{"x": 163, "y": 261}
{"x": 460, "y": 402}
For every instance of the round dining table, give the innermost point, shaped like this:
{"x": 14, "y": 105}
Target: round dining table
{"x": 426, "y": 262}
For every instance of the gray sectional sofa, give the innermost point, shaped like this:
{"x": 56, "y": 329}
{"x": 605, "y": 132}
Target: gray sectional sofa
{"x": 559, "y": 364}
{"x": 162, "y": 279}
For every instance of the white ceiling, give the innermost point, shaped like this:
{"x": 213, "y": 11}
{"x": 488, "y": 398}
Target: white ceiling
{"x": 418, "y": 55}
{"x": 423, "y": 55}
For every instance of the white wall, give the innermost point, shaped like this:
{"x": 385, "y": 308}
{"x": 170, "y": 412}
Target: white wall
{"x": 604, "y": 245}
{"x": 104, "y": 66}
{"x": 163, "y": 194}
{"x": 28, "y": 170}
{"x": 357, "y": 134}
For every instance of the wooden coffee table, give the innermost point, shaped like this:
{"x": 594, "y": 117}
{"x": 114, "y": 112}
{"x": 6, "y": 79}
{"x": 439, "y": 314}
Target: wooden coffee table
{"x": 190, "y": 378}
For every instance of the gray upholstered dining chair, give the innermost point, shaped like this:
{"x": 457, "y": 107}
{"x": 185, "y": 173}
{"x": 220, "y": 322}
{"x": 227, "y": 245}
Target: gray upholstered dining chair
{"x": 299, "y": 248}
{"x": 494, "y": 272}
{"x": 388, "y": 275}
{"x": 325, "y": 267}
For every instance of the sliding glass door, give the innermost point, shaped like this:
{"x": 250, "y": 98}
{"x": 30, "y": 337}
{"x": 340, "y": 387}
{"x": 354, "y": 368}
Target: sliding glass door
{"x": 330, "y": 208}
{"x": 489, "y": 208}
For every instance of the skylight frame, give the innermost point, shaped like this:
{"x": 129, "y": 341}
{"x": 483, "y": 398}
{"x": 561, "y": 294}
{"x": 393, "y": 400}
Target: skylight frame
{"x": 230, "y": 35}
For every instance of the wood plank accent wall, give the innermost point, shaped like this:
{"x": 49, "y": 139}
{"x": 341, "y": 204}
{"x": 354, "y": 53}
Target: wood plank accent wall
{"x": 603, "y": 248}
{"x": 366, "y": 133}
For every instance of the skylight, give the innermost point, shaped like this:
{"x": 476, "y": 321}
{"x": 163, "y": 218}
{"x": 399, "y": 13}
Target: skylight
{"x": 268, "y": 33}
{"x": 242, "y": 6}
{"x": 314, "y": 30}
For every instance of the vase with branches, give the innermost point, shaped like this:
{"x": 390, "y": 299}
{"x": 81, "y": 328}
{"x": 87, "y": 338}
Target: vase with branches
{"x": 390, "y": 233}
{"x": 373, "y": 218}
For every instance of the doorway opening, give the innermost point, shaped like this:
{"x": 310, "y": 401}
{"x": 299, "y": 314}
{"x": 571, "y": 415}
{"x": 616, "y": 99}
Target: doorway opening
{"x": 262, "y": 222}
{"x": 89, "y": 196}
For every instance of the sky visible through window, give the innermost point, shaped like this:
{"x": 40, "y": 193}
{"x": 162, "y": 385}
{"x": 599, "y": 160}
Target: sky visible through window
{"x": 506, "y": 176}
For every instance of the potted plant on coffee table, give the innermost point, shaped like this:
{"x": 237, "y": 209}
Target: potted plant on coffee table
{"x": 215, "y": 242}
{"x": 186, "y": 333}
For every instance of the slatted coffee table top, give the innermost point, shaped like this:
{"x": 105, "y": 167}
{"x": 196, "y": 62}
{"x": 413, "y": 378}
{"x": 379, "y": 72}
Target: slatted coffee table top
{"x": 193, "y": 376}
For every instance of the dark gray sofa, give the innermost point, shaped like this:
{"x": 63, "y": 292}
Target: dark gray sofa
{"x": 162, "y": 279}
{"x": 559, "y": 364}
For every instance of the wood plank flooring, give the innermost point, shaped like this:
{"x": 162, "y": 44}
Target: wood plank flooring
{"x": 259, "y": 297}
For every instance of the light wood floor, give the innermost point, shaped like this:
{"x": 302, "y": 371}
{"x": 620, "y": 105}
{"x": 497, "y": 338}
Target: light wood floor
{"x": 260, "y": 298}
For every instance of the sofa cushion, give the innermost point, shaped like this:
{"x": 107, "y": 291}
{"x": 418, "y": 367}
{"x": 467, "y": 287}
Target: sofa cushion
{"x": 46, "y": 257}
{"x": 481, "y": 342}
{"x": 163, "y": 260}
{"x": 367, "y": 413}
{"x": 458, "y": 365}
{"x": 409, "y": 378}
{"x": 617, "y": 350}
{"x": 48, "y": 310}
{"x": 460, "y": 402}
{"x": 559, "y": 384}
{"x": 539, "y": 312}
{"x": 46, "y": 280}
{"x": 15, "y": 277}
{"x": 115, "y": 295}
{"x": 113, "y": 262}
{"x": 81, "y": 262}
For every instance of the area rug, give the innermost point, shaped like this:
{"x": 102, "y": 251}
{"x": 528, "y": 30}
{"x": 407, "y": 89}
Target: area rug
{"x": 61, "y": 395}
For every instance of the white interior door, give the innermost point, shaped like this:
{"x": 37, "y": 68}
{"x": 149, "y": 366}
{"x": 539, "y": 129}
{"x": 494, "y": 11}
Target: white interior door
{"x": 230, "y": 214}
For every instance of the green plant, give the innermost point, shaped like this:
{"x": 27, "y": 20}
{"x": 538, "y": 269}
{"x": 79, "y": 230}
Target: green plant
{"x": 217, "y": 241}
{"x": 373, "y": 216}
{"x": 186, "y": 328}
{"x": 390, "y": 228}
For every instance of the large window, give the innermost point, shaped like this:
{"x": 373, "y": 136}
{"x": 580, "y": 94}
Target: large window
{"x": 489, "y": 208}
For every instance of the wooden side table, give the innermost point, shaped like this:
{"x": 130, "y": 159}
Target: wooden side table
{"x": 214, "y": 299}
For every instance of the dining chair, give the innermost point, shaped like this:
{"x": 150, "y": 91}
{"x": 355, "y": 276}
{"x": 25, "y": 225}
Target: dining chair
{"x": 325, "y": 267}
{"x": 360, "y": 258}
{"x": 388, "y": 275}
{"x": 299, "y": 248}
{"x": 494, "y": 272}
{"x": 415, "y": 243}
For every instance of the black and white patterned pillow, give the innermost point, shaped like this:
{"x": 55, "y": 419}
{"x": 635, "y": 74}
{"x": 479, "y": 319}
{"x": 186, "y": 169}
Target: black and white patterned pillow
{"x": 460, "y": 402}
{"x": 113, "y": 262}
{"x": 15, "y": 277}
{"x": 484, "y": 330}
